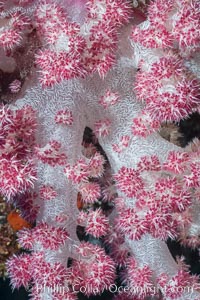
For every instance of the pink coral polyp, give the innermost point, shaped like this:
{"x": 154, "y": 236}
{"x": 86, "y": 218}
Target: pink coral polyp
{"x": 129, "y": 181}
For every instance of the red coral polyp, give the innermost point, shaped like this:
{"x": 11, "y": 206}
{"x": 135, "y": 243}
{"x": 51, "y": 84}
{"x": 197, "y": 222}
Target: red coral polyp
{"x": 129, "y": 181}
{"x": 51, "y": 154}
{"x": 16, "y": 177}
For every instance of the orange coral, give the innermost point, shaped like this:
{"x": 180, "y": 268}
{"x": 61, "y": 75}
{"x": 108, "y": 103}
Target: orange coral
{"x": 16, "y": 221}
{"x": 79, "y": 201}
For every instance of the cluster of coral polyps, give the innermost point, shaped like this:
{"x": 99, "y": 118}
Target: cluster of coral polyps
{"x": 98, "y": 64}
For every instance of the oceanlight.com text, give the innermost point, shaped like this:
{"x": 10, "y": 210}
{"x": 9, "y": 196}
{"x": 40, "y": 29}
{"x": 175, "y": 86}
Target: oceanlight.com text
{"x": 113, "y": 288}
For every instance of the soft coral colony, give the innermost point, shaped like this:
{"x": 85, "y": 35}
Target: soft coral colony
{"x": 105, "y": 65}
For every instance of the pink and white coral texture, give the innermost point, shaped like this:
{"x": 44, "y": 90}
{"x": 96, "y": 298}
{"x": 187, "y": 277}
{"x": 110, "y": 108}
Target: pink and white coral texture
{"x": 108, "y": 66}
